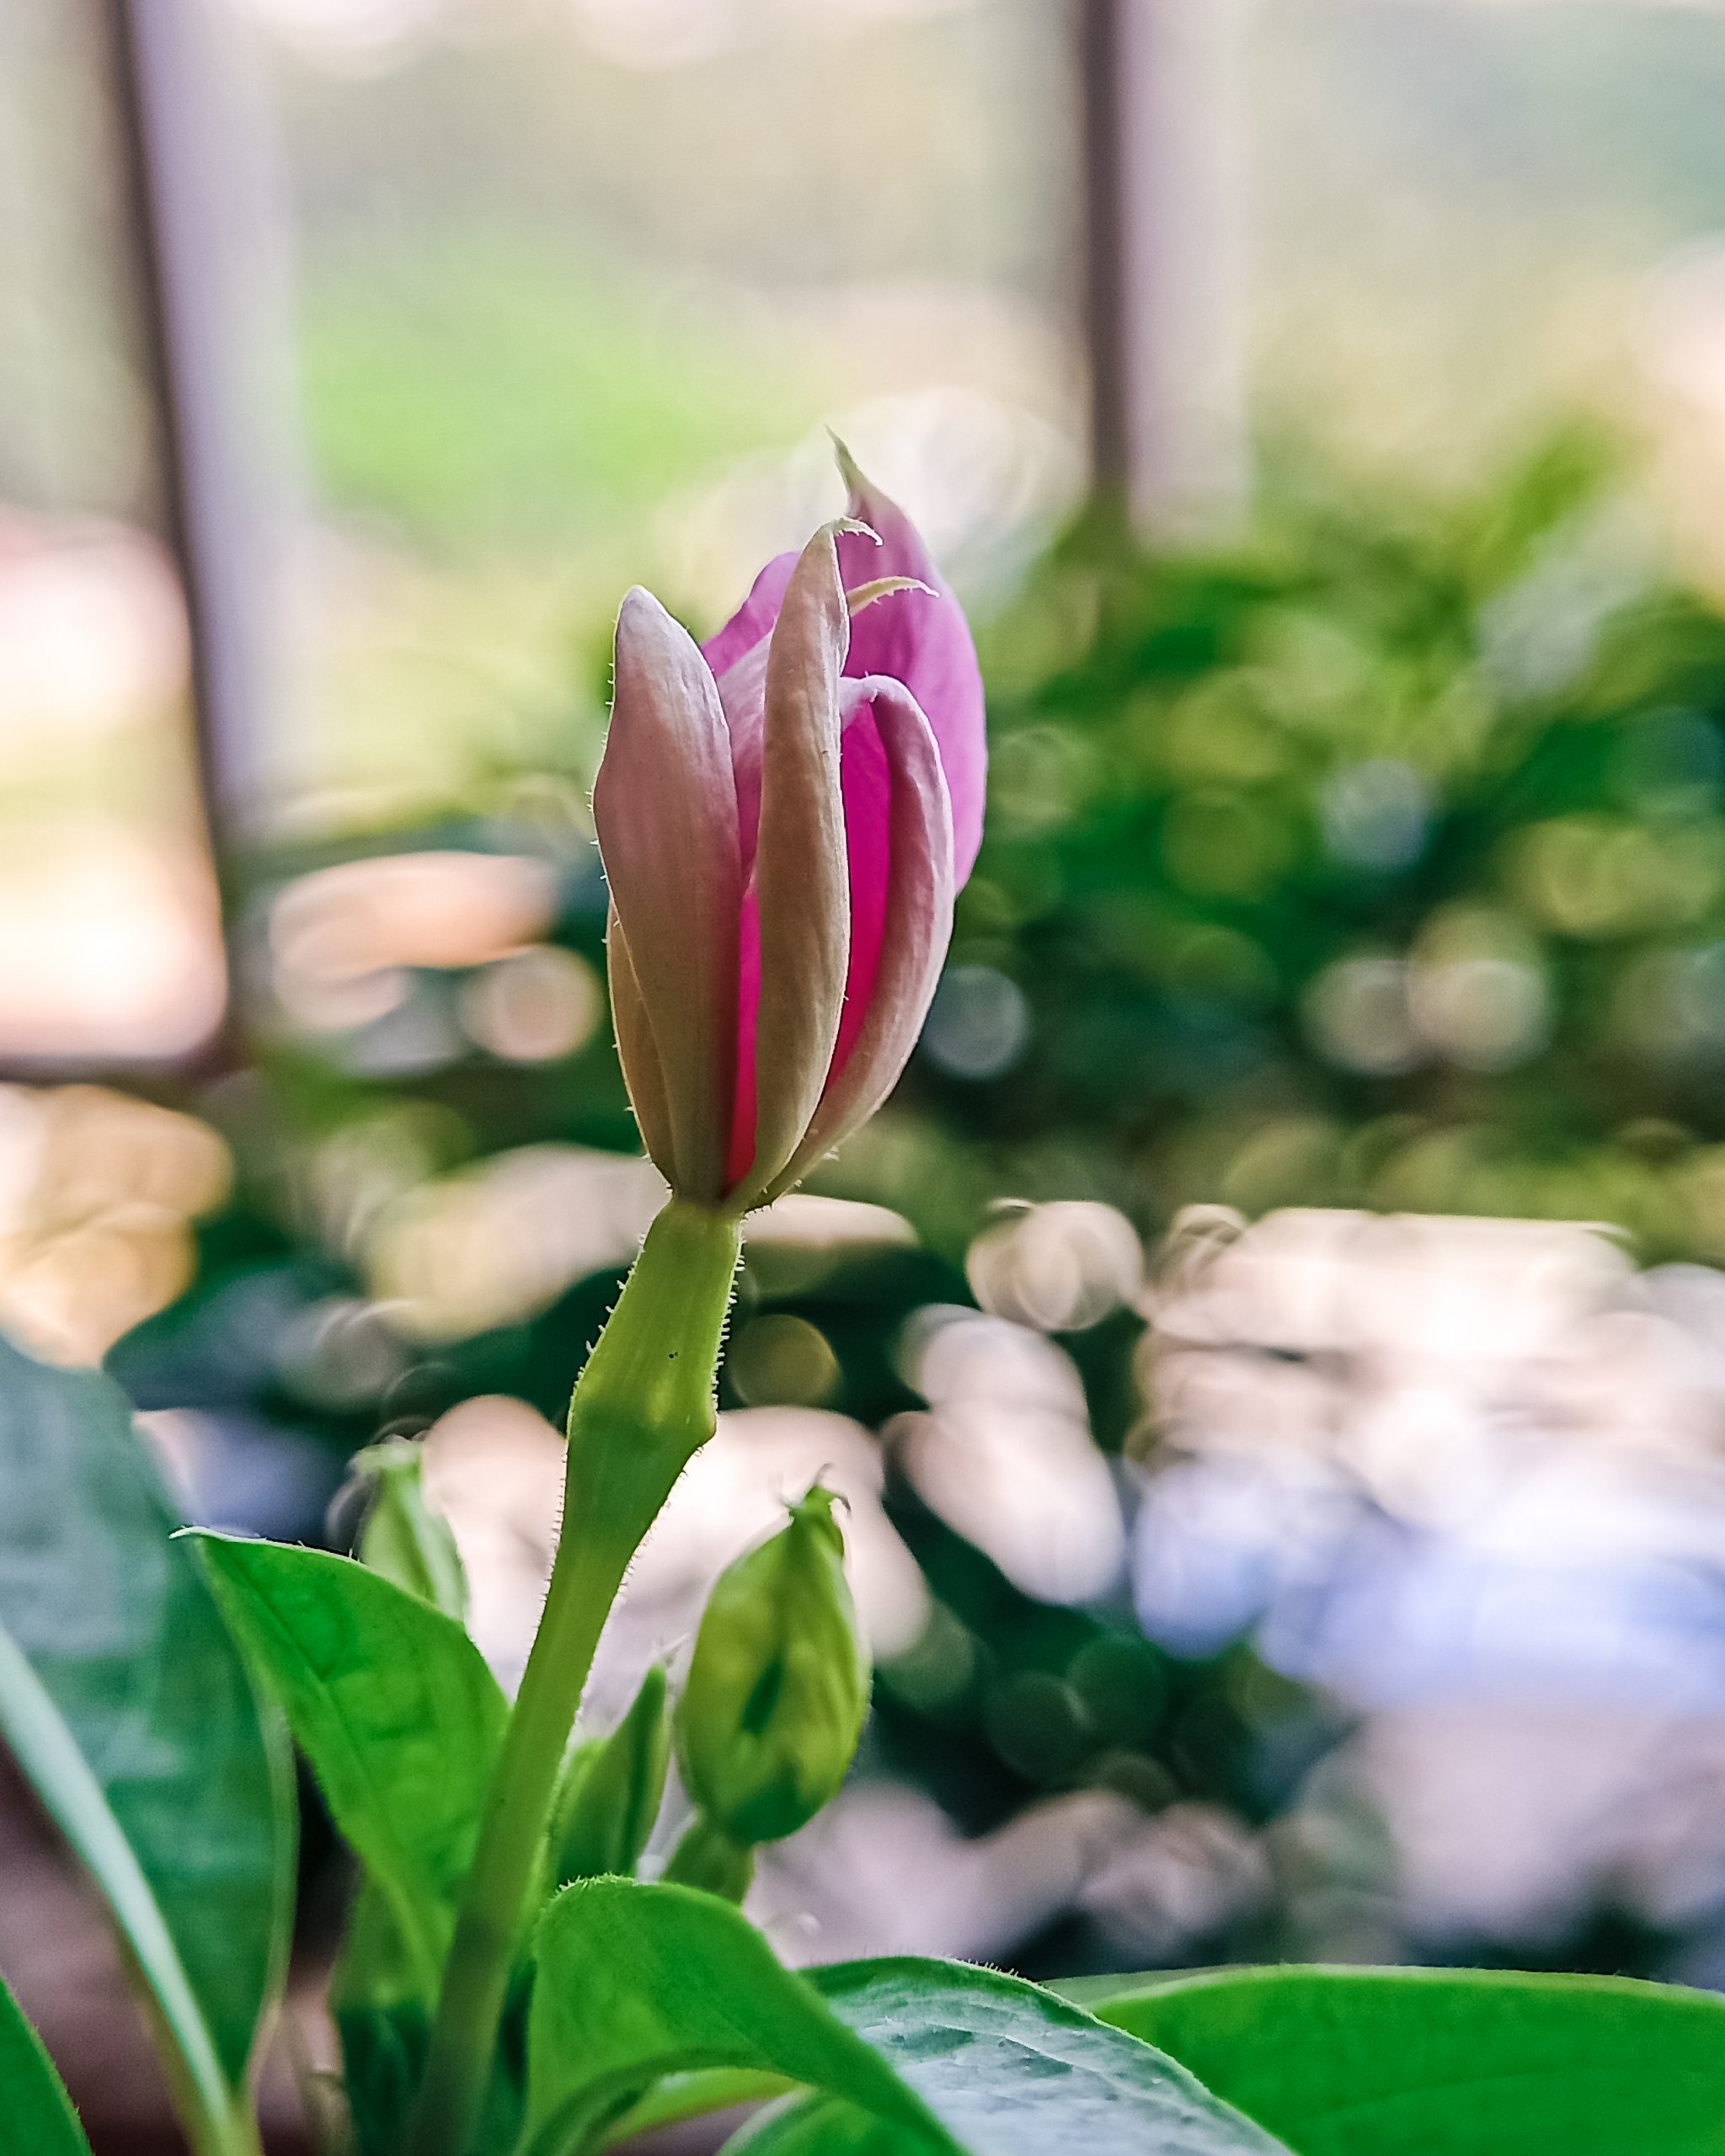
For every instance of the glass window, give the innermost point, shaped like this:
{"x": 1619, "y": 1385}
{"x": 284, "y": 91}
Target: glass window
{"x": 109, "y": 941}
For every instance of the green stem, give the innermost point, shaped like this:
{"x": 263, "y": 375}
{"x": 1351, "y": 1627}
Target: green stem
{"x": 641, "y": 1407}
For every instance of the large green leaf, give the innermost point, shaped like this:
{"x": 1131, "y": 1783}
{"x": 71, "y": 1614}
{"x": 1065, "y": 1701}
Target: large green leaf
{"x": 124, "y": 1702}
{"x": 1012, "y": 2071}
{"x": 36, "y": 2117}
{"x": 1440, "y": 2063}
{"x": 637, "y": 1982}
{"x": 391, "y": 1703}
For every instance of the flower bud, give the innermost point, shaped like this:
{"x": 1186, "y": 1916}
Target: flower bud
{"x": 784, "y": 815}
{"x": 611, "y": 1793}
{"x": 779, "y": 1685}
{"x": 397, "y": 1533}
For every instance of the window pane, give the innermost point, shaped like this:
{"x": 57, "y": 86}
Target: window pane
{"x": 110, "y": 944}
{"x": 578, "y": 288}
{"x": 1475, "y": 219}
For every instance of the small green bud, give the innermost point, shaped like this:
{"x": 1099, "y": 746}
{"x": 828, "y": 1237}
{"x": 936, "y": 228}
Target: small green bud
{"x": 398, "y": 1534}
{"x": 779, "y": 1685}
{"x": 611, "y": 1793}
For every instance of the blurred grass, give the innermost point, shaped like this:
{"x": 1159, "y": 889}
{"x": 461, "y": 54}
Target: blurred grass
{"x": 473, "y": 386}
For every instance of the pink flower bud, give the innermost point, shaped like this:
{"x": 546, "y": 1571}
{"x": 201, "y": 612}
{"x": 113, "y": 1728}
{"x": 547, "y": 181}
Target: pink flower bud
{"x": 784, "y": 816}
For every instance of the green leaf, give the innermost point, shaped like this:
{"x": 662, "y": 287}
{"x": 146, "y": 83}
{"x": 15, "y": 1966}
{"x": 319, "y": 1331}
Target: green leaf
{"x": 1380, "y": 2063}
{"x": 391, "y": 1703}
{"x": 39, "y": 2119}
{"x": 1091, "y": 1992}
{"x": 638, "y": 1981}
{"x": 819, "y": 2126}
{"x": 682, "y": 2096}
{"x": 126, "y": 1703}
{"x": 1011, "y": 2070}
{"x": 635, "y": 1981}
{"x": 378, "y": 1995}
{"x": 399, "y": 1534}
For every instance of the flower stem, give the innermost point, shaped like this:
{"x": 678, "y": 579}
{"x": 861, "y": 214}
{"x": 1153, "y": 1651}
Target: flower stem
{"x": 641, "y": 1407}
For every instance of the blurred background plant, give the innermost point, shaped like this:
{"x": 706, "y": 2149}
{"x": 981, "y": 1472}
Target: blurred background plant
{"x": 1306, "y": 887}
{"x": 1270, "y": 1348}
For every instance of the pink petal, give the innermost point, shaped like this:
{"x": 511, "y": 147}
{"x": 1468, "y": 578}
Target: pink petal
{"x": 801, "y": 879}
{"x": 925, "y": 642}
{"x": 917, "y": 927}
{"x": 740, "y": 1152}
{"x": 866, "y": 789}
{"x": 665, "y": 805}
{"x": 867, "y": 781}
{"x": 742, "y": 692}
{"x": 753, "y": 619}
{"x": 742, "y": 689}
{"x": 637, "y": 1049}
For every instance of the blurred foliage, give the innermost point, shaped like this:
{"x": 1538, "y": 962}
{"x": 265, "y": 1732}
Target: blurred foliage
{"x": 472, "y": 385}
{"x": 1380, "y": 861}
{"x": 1377, "y": 859}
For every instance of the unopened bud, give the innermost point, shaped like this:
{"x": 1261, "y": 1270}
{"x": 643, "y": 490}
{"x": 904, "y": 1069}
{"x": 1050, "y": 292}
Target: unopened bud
{"x": 611, "y": 1793}
{"x": 397, "y": 1533}
{"x": 779, "y": 1685}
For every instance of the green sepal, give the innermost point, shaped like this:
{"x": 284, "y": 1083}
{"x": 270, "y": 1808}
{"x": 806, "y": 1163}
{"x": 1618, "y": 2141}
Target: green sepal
{"x": 398, "y": 1534}
{"x": 611, "y": 1793}
{"x": 707, "y": 1857}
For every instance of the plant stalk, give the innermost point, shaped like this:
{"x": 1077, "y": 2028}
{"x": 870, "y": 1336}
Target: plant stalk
{"x": 641, "y": 1407}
